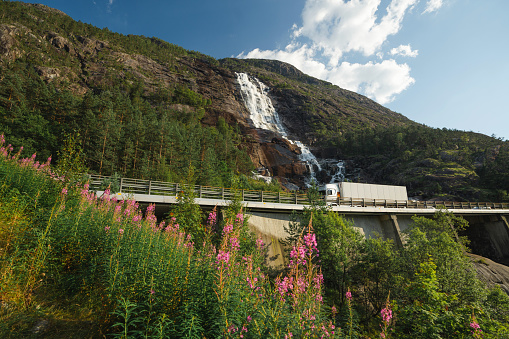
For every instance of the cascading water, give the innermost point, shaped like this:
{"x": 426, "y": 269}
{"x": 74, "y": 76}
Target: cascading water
{"x": 264, "y": 116}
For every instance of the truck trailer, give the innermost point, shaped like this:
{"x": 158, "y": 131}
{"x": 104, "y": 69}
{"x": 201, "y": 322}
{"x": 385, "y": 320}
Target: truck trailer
{"x": 342, "y": 191}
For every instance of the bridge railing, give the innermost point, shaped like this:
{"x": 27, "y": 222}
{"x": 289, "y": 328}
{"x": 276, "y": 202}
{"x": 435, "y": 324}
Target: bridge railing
{"x": 353, "y": 202}
{"x": 152, "y": 187}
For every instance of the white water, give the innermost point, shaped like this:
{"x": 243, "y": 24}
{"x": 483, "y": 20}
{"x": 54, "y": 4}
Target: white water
{"x": 264, "y": 116}
{"x": 339, "y": 172}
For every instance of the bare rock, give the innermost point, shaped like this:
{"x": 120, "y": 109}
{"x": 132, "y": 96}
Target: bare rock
{"x": 48, "y": 74}
{"x": 40, "y": 327}
{"x": 490, "y": 272}
{"x": 59, "y": 42}
{"x": 8, "y": 42}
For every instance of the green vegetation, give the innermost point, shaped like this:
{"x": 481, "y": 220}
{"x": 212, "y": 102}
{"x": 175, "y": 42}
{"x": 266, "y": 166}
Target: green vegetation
{"x": 121, "y": 132}
{"x": 430, "y": 285}
{"x": 87, "y": 266}
{"x": 92, "y": 266}
{"x": 432, "y": 162}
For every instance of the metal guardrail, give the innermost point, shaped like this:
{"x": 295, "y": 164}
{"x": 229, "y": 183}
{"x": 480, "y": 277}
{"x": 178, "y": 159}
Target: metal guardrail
{"x": 151, "y": 187}
{"x": 352, "y": 202}
{"x": 140, "y": 186}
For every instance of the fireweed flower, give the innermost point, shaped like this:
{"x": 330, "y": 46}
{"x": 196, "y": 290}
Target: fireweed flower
{"x": 223, "y": 256}
{"x": 259, "y": 243}
{"x": 64, "y": 191}
{"x": 227, "y": 229}
{"x": 386, "y": 314}
{"x": 235, "y": 243}
{"x": 348, "y": 295}
{"x": 476, "y": 328}
{"x": 212, "y": 218}
{"x": 121, "y": 231}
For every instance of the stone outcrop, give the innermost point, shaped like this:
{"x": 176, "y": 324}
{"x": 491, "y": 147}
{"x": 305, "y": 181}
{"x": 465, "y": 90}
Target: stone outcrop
{"x": 7, "y": 42}
{"x": 490, "y": 272}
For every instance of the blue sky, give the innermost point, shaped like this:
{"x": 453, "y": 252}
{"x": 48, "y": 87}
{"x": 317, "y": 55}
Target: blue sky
{"x": 438, "y": 62}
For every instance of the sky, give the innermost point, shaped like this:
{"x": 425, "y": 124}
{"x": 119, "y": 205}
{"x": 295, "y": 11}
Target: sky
{"x": 441, "y": 63}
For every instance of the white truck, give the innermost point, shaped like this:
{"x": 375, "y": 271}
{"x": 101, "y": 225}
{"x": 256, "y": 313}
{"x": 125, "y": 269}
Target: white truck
{"x": 343, "y": 191}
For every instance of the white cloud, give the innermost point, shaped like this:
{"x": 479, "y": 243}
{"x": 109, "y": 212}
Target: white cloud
{"x": 433, "y": 6}
{"x": 404, "y": 50}
{"x": 380, "y": 81}
{"x": 303, "y": 57}
{"x": 339, "y": 27}
{"x": 335, "y": 29}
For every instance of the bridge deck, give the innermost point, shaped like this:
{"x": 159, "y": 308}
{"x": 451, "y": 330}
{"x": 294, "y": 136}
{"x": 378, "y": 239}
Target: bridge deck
{"x": 159, "y": 192}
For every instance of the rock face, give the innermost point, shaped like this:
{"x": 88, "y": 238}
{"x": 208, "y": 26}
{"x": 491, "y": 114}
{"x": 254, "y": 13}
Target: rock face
{"x": 8, "y": 42}
{"x": 490, "y": 272}
{"x": 92, "y": 63}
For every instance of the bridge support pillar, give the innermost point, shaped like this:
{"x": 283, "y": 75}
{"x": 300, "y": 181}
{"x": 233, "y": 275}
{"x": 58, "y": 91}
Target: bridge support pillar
{"x": 489, "y": 235}
{"x": 498, "y": 230}
{"x": 390, "y": 228}
{"x": 271, "y": 228}
{"x": 505, "y": 223}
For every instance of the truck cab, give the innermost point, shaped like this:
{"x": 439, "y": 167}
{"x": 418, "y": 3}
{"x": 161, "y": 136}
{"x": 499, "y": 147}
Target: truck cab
{"x": 331, "y": 193}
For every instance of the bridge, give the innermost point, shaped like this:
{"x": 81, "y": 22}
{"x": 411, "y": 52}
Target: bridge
{"x": 269, "y": 212}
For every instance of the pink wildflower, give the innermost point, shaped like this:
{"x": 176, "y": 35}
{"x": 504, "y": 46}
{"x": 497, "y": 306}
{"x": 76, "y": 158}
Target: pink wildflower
{"x": 474, "y": 325}
{"x": 259, "y": 243}
{"x": 223, "y": 256}
{"x": 121, "y": 231}
{"x": 235, "y": 243}
{"x": 386, "y": 314}
{"x": 64, "y": 191}
{"x": 227, "y": 228}
{"x": 212, "y": 218}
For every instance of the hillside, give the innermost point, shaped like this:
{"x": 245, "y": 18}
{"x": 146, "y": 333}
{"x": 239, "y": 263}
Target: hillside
{"x": 146, "y": 108}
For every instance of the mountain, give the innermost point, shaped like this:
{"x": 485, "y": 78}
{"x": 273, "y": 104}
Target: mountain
{"x": 146, "y": 108}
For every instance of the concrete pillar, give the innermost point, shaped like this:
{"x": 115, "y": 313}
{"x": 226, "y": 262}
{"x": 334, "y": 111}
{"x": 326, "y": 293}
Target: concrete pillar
{"x": 271, "y": 228}
{"x": 505, "y": 223}
{"x": 497, "y": 228}
{"x": 390, "y": 228}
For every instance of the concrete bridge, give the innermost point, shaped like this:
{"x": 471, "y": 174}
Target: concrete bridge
{"x": 270, "y": 212}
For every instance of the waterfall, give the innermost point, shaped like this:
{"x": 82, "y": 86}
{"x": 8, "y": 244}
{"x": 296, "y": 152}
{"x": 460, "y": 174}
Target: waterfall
{"x": 263, "y": 114}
